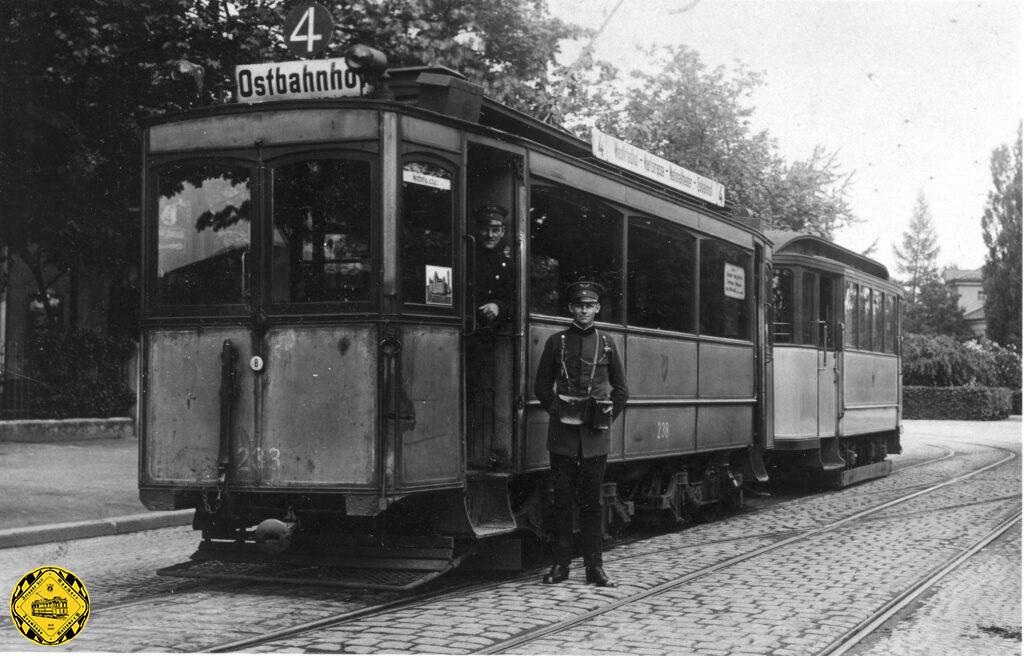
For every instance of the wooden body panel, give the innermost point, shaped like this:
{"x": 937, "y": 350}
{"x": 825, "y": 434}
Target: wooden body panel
{"x": 319, "y": 409}
{"x": 180, "y": 439}
{"x": 431, "y": 447}
{"x": 870, "y": 392}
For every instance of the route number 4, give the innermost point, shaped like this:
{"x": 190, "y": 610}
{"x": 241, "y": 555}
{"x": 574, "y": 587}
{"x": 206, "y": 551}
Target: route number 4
{"x": 309, "y": 28}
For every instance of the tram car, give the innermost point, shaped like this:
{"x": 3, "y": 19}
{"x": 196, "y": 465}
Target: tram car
{"x": 315, "y": 381}
{"x": 54, "y": 608}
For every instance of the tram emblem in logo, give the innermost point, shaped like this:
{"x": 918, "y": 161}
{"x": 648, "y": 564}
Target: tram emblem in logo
{"x": 50, "y": 606}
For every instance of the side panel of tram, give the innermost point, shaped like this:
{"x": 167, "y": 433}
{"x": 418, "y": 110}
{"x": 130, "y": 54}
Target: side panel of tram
{"x": 686, "y": 334}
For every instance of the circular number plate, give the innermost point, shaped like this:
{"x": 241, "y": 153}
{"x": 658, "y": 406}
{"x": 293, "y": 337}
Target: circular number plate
{"x": 308, "y": 29}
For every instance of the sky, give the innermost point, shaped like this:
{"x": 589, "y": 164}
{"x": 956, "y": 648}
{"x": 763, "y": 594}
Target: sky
{"x": 914, "y": 95}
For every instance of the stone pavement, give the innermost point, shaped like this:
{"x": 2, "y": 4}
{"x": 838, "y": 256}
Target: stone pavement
{"x": 72, "y": 489}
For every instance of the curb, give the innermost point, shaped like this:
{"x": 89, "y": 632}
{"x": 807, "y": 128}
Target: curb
{"x": 66, "y": 430}
{"x": 29, "y": 535}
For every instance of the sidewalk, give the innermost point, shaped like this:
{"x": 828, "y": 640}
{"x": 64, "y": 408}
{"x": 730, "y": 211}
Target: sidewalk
{"x": 73, "y": 489}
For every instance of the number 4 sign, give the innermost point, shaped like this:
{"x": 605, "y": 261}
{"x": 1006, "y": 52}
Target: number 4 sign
{"x": 308, "y": 29}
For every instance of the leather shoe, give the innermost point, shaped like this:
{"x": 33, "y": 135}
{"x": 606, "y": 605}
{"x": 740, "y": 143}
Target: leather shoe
{"x": 557, "y": 574}
{"x": 597, "y": 576}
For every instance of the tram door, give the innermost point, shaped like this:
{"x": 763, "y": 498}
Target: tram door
{"x": 818, "y": 290}
{"x": 494, "y": 189}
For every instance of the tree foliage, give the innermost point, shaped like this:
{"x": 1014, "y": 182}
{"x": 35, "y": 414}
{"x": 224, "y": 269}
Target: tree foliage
{"x": 917, "y": 259}
{"x": 701, "y": 119}
{"x": 1001, "y": 229}
{"x": 943, "y": 361}
{"x": 936, "y": 311}
{"x": 78, "y": 74}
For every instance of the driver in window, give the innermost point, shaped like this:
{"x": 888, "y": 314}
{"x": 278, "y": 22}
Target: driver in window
{"x": 494, "y": 270}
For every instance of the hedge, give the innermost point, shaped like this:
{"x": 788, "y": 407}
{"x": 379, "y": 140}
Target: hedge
{"x": 79, "y": 373}
{"x": 971, "y": 402}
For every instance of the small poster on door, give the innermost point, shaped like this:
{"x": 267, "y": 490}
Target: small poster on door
{"x": 439, "y": 285}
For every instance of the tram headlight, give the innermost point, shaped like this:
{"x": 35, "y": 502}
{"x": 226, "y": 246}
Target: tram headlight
{"x": 365, "y": 60}
{"x": 186, "y": 70}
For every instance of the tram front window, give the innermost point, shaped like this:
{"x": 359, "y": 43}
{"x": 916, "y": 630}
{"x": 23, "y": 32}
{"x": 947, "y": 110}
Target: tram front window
{"x": 428, "y": 254}
{"x": 202, "y": 248}
{"x": 322, "y": 236}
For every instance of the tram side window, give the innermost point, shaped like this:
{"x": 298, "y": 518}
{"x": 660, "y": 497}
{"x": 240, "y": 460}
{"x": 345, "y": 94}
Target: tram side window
{"x": 573, "y": 236}
{"x": 322, "y": 228}
{"x": 204, "y": 216}
{"x": 852, "y": 294}
{"x": 661, "y": 280}
{"x": 725, "y": 277}
{"x": 877, "y": 338}
{"x": 782, "y": 300}
{"x": 427, "y": 252}
{"x": 864, "y": 319}
{"x": 889, "y": 345}
{"x": 809, "y": 326}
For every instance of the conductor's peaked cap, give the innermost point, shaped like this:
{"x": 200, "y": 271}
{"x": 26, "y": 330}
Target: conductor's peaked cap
{"x": 492, "y": 215}
{"x": 584, "y": 291}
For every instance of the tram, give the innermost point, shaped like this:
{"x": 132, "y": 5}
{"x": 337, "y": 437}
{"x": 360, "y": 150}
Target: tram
{"x": 311, "y": 377}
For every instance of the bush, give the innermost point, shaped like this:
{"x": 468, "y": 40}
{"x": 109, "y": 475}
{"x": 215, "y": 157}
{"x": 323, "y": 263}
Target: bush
{"x": 79, "y": 373}
{"x": 975, "y": 402}
{"x": 941, "y": 361}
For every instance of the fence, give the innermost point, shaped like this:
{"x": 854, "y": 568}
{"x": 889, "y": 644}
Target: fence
{"x": 16, "y": 386}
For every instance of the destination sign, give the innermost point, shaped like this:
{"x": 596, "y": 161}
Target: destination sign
{"x": 618, "y": 152}
{"x": 317, "y": 78}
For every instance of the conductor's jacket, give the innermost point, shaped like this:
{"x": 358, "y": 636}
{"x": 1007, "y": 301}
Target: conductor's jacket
{"x": 609, "y": 382}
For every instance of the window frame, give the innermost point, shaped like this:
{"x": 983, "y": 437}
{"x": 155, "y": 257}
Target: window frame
{"x": 692, "y": 319}
{"x": 455, "y": 168}
{"x": 541, "y": 183}
{"x": 376, "y": 251}
{"x": 750, "y": 291}
{"x": 152, "y": 307}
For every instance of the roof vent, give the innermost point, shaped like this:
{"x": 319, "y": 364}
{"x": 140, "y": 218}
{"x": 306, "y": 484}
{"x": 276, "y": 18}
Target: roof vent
{"x": 437, "y": 89}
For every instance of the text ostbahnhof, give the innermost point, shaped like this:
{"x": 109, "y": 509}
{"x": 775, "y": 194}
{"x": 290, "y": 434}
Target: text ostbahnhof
{"x": 276, "y": 82}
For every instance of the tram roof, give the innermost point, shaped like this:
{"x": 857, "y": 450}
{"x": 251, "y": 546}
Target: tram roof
{"x": 788, "y": 241}
{"x": 405, "y": 84}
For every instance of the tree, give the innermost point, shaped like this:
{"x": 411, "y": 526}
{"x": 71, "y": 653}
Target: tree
{"x": 700, "y": 118}
{"x": 917, "y": 258}
{"x": 936, "y": 312}
{"x": 1001, "y": 229}
{"x": 78, "y": 74}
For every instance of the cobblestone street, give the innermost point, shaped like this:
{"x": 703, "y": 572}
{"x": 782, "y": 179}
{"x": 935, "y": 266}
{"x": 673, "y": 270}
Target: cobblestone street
{"x": 789, "y": 578}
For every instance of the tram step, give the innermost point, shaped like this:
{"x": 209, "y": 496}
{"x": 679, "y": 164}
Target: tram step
{"x": 847, "y": 477}
{"x": 291, "y": 574}
{"x": 381, "y": 563}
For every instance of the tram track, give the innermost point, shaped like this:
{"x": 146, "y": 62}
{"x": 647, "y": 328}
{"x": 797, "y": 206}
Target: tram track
{"x": 779, "y": 539}
{"x": 537, "y": 634}
{"x": 854, "y": 636}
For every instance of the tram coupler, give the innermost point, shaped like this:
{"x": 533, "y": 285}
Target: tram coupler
{"x": 273, "y": 536}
